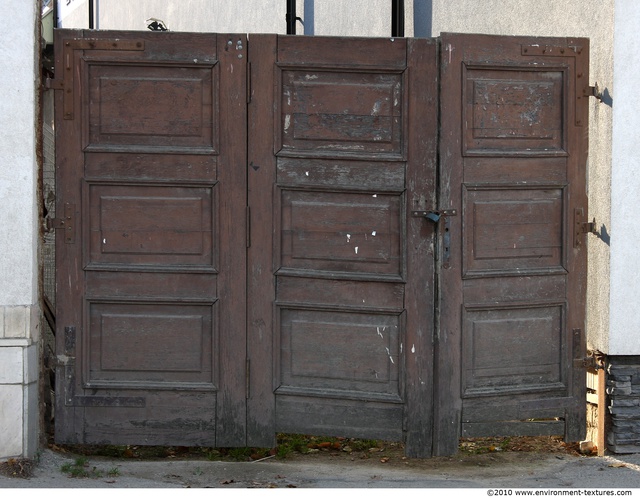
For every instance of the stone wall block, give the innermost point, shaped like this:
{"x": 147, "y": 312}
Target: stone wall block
{"x": 618, "y": 390}
{"x": 17, "y": 322}
{"x": 31, "y": 365}
{"x": 623, "y": 388}
{"x": 620, "y": 401}
{"x": 11, "y": 365}
{"x": 11, "y": 407}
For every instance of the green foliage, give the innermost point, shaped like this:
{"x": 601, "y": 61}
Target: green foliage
{"x": 81, "y": 468}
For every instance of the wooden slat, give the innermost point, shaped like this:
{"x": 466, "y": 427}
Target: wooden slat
{"x": 261, "y": 176}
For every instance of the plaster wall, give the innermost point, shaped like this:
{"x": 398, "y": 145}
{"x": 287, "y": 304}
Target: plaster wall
{"x": 18, "y": 168}
{"x": 624, "y": 336}
{"x": 571, "y": 18}
{"x": 19, "y": 231}
{"x": 320, "y": 18}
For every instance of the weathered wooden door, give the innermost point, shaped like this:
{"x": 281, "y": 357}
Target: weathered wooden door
{"x": 513, "y": 275}
{"x": 249, "y": 234}
{"x": 153, "y": 314}
{"x": 150, "y": 270}
{"x": 342, "y": 151}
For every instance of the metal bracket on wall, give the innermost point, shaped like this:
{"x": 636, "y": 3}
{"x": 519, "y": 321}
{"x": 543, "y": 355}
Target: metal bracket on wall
{"x": 69, "y": 46}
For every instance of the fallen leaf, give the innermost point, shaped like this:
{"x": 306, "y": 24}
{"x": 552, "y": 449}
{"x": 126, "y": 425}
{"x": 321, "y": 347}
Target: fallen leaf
{"x": 384, "y": 459}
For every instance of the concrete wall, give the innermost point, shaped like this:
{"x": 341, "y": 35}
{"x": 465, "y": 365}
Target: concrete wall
{"x": 19, "y": 314}
{"x": 570, "y": 18}
{"x": 624, "y": 336}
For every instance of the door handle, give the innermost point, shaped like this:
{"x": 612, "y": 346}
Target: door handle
{"x": 443, "y": 215}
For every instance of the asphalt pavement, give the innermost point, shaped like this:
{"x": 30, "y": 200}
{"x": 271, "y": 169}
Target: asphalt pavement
{"x": 539, "y": 470}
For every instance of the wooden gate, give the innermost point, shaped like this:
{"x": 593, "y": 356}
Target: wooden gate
{"x": 250, "y": 234}
{"x": 340, "y": 274}
{"x": 513, "y": 167}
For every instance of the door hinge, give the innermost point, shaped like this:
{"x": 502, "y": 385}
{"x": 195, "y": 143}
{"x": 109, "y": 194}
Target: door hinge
{"x": 593, "y": 91}
{"x": 538, "y": 50}
{"x": 590, "y": 362}
{"x": 66, "y": 223}
{"x": 582, "y": 227}
{"x": 54, "y": 84}
{"x": 69, "y": 45}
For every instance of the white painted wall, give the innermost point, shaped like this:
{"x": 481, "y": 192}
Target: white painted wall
{"x": 318, "y": 17}
{"x": 624, "y": 336}
{"x": 19, "y": 315}
{"x": 593, "y": 19}
{"x": 18, "y": 169}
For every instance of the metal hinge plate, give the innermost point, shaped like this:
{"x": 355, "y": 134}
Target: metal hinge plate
{"x": 582, "y": 227}
{"x": 69, "y": 46}
{"x": 66, "y": 223}
{"x": 593, "y": 91}
{"x": 587, "y": 362}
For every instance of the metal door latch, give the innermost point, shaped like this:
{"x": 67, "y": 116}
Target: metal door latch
{"x": 443, "y": 230}
{"x": 434, "y": 215}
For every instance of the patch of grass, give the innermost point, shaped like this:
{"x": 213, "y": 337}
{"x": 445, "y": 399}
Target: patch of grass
{"x": 287, "y": 445}
{"x": 363, "y": 444}
{"x": 300, "y": 443}
{"x": 240, "y": 454}
{"x": 291, "y": 443}
{"x": 81, "y": 468}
